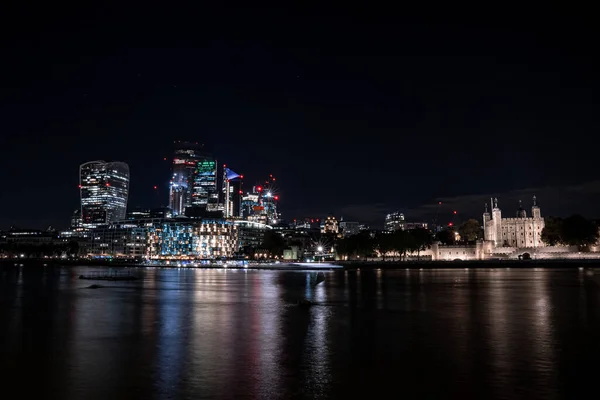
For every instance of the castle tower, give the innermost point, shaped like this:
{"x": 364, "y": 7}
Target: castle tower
{"x": 497, "y": 222}
{"x": 488, "y": 229}
{"x": 521, "y": 213}
{"x": 535, "y": 210}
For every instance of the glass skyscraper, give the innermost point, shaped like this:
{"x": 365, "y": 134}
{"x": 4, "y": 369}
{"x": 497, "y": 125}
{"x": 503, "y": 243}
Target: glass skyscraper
{"x": 104, "y": 189}
{"x": 194, "y": 180}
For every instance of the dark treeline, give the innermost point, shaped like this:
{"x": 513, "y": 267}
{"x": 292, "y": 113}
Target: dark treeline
{"x": 11, "y": 249}
{"x": 385, "y": 244}
{"x": 572, "y": 231}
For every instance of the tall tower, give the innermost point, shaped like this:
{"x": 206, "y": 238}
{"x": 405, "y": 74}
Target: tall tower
{"x": 232, "y": 193}
{"x": 204, "y": 186}
{"x": 497, "y": 223}
{"x": 535, "y": 209}
{"x": 104, "y": 189}
{"x": 185, "y": 163}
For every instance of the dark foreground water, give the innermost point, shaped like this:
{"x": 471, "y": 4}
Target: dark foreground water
{"x": 190, "y": 334}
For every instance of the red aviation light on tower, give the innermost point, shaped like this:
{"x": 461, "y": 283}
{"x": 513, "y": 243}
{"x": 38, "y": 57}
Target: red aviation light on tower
{"x": 241, "y": 192}
{"x": 450, "y": 224}
{"x": 276, "y": 197}
{"x": 224, "y": 165}
{"x": 108, "y": 184}
{"x": 241, "y": 176}
{"x": 454, "y": 212}
{"x": 79, "y": 186}
{"x": 155, "y": 187}
{"x": 259, "y": 188}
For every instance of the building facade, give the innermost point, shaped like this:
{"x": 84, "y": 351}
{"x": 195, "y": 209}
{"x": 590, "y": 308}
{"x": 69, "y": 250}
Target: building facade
{"x": 192, "y": 239}
{"x": 204, "y": 188}
{"x": 119, "y": 240}
{"x": 394, "y": 221}
{"x": 251, "y": 234}
{"x": 349, "y": 228}
{"x": 232, "y": 193}
{"x": 520, "y": 232}
{"x": 409, "y": 226}
{"x": 104, "y": 190}
{"x": 330, "y": 225}
{"x": 186, "y": 157}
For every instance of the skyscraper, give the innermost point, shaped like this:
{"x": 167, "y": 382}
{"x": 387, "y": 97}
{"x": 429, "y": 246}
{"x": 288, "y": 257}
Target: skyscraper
{"x": 104, "y": 189}
{"x": 204, "y": 186}
{"x": 185, "y": 163}
{"x": 232, "y": 193}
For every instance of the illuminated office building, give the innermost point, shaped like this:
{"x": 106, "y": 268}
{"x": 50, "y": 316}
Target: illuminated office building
{"x": 104, "y": 189}
{"x": 232, "y": 193}
{"x": 261, "y": 205}
{"x": 394, "y": 221}
{"x": 192, "y": 239}
{"x": 204, "y": 187}
{"x": 250, "y": 205}
{"x": 185, "y": 164}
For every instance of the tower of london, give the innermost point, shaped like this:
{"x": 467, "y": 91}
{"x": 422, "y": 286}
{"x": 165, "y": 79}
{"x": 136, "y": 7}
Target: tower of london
{"x": 521, "y": 231}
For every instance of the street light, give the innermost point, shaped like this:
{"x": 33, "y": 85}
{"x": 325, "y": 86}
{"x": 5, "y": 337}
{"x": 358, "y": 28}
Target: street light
{"x": 320, "y": 248}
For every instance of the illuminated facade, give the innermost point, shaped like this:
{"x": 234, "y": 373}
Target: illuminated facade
{"x": 519, "y": 232}
{"x": 261, "y": 205}
{"x": 250, "y": 205}
{"x": 188, "y": 239}
{"x": 120, "y": 240}
{"x": 104, "y": 189}
{"x": 251, "y": 234}
{"x": 330, "y": 225}
{"x": 409, "y": 226}
{"x": 204, "y": 188}
{"x": 269, "y": 201}
{"x": 394, "y": 221}
{"x": 232, "y": 193}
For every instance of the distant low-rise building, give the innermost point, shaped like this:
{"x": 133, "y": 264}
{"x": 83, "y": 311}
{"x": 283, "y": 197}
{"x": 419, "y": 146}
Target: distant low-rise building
{"x": 349, "y": 228}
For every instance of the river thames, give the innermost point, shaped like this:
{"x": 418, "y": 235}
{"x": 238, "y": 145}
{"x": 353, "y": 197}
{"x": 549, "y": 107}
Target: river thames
{"x": 232, "y": 334}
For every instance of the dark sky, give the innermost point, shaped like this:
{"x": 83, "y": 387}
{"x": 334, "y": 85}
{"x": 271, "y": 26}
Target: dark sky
{"x": 357, "y": 112}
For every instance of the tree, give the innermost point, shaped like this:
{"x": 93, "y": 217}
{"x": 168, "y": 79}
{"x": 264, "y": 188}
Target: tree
{"x": 421, "y": 240}
{"x": 402, "y": 242}
{"x": 552, "y": 232}
{"x": 359, "y": 245}
{"x": 274, "y": 243}
{"x": 446, "y": 236}
{"x": 73, "y": 248}
{"x": 470, "y": 230}
{"x": 384, "y": 243}
{"x": 578, "y": 231}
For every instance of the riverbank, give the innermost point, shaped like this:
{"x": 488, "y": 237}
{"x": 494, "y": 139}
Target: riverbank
{"x": 41, "y": 263}
{"x": 552, "y": 263}
{"x": 346, "y": 265}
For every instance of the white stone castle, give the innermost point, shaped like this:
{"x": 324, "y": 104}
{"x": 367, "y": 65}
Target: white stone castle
{"x": 519, "y": 232}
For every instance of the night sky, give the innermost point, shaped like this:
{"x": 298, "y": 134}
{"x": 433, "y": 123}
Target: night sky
{"x": 357, "y": 112}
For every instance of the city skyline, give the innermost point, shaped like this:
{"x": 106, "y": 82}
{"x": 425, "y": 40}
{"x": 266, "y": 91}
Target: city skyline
{"x": 375, "y": 115}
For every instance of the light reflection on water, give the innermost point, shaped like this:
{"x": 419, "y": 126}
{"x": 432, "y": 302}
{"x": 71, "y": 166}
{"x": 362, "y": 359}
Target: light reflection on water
{"x": 495, "y": 334}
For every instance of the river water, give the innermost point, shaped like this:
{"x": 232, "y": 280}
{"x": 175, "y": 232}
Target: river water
{"x": 234, "y": 334}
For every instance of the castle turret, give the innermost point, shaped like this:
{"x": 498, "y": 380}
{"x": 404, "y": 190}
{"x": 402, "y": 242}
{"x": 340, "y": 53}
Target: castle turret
{"x": 521, "y": 213}
{"x": 535, "y": 210}
{"x": 497, "y": 221}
